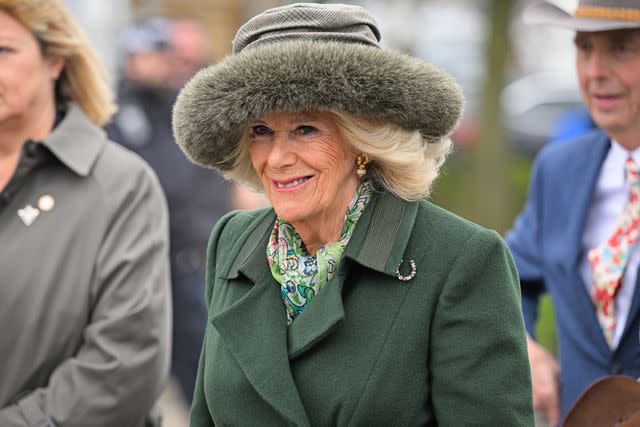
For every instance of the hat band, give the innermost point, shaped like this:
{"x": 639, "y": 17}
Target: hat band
{"x": 616, "y": 13}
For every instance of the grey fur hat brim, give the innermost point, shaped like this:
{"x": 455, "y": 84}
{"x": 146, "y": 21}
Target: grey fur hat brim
{"x": 214, "y": 108}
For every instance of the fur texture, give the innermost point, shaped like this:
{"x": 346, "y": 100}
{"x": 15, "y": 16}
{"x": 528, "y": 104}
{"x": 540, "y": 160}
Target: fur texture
{"x": 214, "y": 108}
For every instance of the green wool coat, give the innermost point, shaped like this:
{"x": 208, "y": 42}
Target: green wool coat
{"x": 445, "y": 348}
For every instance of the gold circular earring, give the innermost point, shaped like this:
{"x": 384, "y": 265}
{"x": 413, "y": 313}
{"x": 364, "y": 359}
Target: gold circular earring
{"x": 362, "y": 161}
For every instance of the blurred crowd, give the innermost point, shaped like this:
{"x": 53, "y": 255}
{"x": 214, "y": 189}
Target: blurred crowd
{"x": 159, "y": 56}
{"x": 116, "y": 216}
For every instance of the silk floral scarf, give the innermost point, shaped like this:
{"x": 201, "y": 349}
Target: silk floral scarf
{"x": 301, "y": 275}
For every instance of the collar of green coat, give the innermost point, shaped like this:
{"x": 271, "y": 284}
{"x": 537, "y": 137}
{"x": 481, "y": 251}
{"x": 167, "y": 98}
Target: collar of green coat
{"x": 254, "y": 327}
{"x": 378, "y": 241}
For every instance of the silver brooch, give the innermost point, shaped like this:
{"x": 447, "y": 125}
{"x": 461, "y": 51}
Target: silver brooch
{"x": 411, "y": 275}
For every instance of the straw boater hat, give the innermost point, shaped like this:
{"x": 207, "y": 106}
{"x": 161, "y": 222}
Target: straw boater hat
{"x": 309, "y": 57}
{"x": 611, "y": 401}
{"x": 590, "y": 15}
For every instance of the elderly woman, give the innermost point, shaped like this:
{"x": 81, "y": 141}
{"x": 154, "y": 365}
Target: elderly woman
{"x": 84, "y": 284}
{"x": 353, "y": 301}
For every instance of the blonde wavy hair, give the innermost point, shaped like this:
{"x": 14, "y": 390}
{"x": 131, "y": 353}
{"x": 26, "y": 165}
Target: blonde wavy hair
{"x": 403, "y": 162}
{"x": 84, "y": 78}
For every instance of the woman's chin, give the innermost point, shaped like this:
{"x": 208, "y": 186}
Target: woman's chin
{"x": 290, "y": 212}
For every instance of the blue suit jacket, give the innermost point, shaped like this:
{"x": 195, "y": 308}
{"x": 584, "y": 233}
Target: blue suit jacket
{"x": 545, "y": 242}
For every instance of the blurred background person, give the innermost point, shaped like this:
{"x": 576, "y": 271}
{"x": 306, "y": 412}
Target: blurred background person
{"x": 84, "y": 274}
{"x": 159, "y": 56}
{"x": 576, "y": 238}
{"x": 189, "y": 43}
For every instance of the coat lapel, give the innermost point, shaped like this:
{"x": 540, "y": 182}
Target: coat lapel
{"x": 254, "y": 328}
{"x": 582, "y": 179}
{"x": 633, "y": 312}
{"x": 584, "y": 170}
{"x": 319, "y": 320}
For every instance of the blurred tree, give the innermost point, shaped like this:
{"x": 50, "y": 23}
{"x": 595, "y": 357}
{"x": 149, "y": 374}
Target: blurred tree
{"x": 496, "y": 176}
{"x": 491, "y": 202}
{"x": 484, "y": 181}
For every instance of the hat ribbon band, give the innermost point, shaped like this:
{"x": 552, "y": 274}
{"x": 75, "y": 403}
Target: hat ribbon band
{"x": 617, "y": 13}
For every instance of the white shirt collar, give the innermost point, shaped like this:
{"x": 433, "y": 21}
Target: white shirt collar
{"x": 613, "y": 168}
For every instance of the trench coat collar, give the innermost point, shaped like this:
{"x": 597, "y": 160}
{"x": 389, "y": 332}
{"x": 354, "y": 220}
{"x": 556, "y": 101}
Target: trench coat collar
{"x": 255, "y": 327}
{"x": 76, "y": 141}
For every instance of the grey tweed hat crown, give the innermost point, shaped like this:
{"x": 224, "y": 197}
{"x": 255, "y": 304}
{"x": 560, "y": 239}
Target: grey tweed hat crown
{"x": 305, "y": 57}
{"x": 337, "y": 22}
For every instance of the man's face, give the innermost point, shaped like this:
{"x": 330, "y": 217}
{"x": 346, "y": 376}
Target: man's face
{"x": 152, "y": 69}
{"x": 608, "y": 65}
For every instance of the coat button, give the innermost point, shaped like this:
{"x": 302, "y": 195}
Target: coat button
{"x": 31, "y": 148}
{"x": 615, "y": 368}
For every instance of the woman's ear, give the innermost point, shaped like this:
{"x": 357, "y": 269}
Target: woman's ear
{"x": 56, "y": 65}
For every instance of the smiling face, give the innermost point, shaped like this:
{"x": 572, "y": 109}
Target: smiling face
{"x": 27, "y": 78}
{"x": 307, "y": 172}
{"x": 608, "y": 65}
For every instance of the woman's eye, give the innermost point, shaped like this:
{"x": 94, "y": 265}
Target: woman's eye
{"x": 306, "y": 129}
{"x": 260, "y": 130}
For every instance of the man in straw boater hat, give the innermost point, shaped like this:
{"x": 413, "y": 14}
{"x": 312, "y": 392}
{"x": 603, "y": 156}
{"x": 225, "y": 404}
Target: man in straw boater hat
{"x": 576, "y": 236}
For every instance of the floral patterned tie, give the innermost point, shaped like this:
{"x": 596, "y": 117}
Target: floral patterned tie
{"x": 609, "y": 260}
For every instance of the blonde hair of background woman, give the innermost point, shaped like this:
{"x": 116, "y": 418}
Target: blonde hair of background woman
{"x": 403, "y": 162}
{"x": 84, "y": 78}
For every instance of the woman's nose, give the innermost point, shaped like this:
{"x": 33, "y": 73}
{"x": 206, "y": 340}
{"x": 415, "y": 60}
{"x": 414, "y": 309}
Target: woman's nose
{"x": 282, "y": 153}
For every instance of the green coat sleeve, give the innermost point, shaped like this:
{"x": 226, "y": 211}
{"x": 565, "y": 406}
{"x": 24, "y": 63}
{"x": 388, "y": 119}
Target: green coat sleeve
{"x": 478, "y": 358}
{"x": 199, "y": 415}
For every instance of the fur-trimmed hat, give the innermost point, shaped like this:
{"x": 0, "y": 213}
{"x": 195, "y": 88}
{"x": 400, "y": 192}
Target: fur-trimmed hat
{"x": 590, "y": 15}
{"x": 305, "y": 57}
